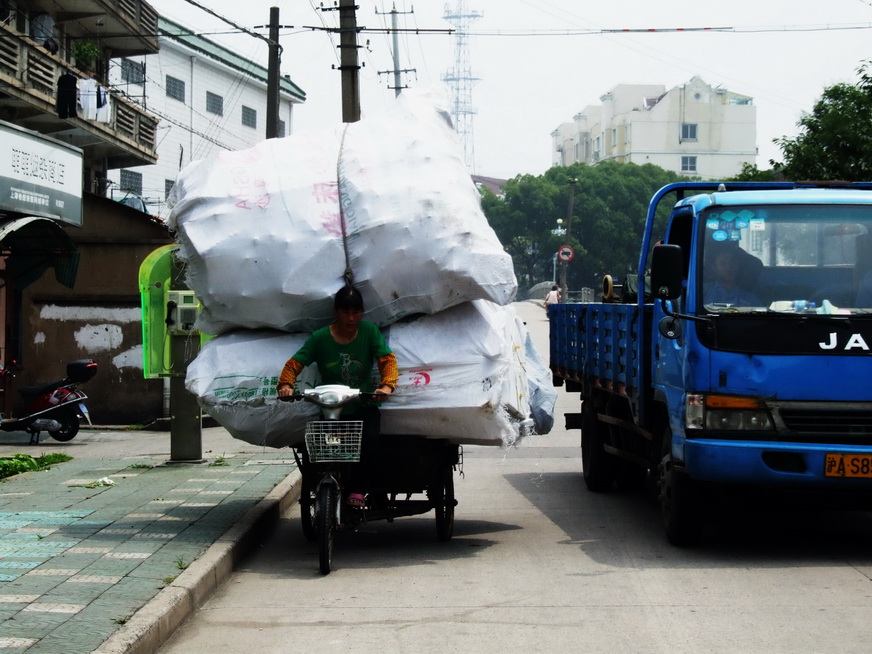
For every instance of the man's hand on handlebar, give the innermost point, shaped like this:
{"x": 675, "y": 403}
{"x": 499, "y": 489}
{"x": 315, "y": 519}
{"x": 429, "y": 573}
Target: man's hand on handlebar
{"x": 285, "y": 390}
{"x": 383, "y": 390}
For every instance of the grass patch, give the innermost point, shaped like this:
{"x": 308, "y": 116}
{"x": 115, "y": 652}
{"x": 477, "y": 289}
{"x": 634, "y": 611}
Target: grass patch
{"x": 18, "y": 463}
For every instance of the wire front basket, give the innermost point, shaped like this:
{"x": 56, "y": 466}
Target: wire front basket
{"x": 330, "y": 441}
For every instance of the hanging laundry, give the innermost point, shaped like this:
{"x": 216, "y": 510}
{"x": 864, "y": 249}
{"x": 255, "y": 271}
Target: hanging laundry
{"x": 67, "y": 95}
{"x": 104, "y": 112}
{"x": 88, "y": 98}
{"x": 42, "y": 28}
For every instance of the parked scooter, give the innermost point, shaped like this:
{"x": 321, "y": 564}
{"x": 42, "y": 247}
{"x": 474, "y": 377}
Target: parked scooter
{"x": 56, "y": 407}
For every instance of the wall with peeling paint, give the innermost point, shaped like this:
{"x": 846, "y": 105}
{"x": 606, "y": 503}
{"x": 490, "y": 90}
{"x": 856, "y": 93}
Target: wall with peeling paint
{"x": 100, "y": 318}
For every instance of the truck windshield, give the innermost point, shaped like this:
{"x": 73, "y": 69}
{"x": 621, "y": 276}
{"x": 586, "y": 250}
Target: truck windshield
{"x": 812, "y": 258}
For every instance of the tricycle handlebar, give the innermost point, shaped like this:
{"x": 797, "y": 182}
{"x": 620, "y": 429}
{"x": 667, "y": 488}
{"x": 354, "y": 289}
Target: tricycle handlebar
{"x": 332, "y": 396}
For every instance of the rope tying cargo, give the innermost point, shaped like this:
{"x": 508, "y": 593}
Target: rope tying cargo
{"x": 348, "y": 275}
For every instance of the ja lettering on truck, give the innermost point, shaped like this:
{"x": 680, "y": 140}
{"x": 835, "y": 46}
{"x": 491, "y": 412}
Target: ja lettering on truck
{"x": 743, "y": 365}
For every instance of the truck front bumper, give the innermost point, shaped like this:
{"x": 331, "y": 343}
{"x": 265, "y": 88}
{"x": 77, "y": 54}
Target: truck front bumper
{"x": 787, "y": 464}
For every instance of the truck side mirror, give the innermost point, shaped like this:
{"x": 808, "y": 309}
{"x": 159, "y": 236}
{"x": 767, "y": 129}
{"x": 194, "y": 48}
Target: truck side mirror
{"x": 667, "y": 271}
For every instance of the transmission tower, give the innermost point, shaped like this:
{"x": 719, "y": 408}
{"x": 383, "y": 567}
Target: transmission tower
{"x": 461, "y": 79}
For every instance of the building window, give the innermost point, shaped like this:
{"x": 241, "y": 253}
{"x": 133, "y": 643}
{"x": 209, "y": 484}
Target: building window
{"x": 249, "y": 117}
{"x": 131, "y": 181}
{"x": 214, "y": 103}
{"x": 281, "y": 129}
{"x": 133, "y": 71}
{"x": 688, "y": 131}
{"x": 614, "y": 137}
{"x": 168, "y": 186}
{"x": 688, "y": 164}
{"x": 175, "y": 88}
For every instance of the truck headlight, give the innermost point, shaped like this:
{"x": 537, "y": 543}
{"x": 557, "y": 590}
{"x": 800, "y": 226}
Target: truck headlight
{"x": 726, "y": 412}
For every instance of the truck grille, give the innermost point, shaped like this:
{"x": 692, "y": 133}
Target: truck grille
{"x": 826, "y": 425}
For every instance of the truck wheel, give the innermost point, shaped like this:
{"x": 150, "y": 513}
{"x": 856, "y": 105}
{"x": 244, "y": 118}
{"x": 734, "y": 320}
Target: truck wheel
{"x": 599, "y": 467}
{"x": 679, "y": 499}
{"x": 630, "y": 476}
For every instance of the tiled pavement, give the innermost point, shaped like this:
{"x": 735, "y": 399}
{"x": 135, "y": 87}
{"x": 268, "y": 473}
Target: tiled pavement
{"x": 86, "y": 544}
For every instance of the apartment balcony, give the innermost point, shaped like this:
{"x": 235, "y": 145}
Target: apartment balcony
{"x": 124, "y": 27}
{"x": 29, "y": 75}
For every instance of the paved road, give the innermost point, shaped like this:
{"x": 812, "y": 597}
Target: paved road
{"x": 538, "y": 564}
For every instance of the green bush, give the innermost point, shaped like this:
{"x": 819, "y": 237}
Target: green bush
{"x": 18, "y": 463}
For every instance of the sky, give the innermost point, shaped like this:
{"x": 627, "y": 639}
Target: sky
{"x": 539, "y": 62}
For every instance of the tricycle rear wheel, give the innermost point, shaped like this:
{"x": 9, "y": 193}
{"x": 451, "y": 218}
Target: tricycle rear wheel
{"x": 307, "y": 513}
{"x": 442, "y": 496}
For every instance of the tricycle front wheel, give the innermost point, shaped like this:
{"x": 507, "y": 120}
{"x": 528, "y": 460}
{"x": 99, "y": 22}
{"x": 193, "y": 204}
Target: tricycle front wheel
{"x": 328, "y": 496}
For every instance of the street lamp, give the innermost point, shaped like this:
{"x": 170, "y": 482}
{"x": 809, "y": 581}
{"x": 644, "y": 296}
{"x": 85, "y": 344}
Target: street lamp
{"x": 565, "y": 264}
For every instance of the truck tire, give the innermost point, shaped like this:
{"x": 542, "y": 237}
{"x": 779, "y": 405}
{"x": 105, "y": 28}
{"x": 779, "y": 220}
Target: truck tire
{"x": 630, "y": 476}
{"x": 679, "y": 499}
{"x": 599, "y": 467}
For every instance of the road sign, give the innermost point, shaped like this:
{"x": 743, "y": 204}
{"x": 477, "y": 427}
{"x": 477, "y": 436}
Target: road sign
{"x": 565, "y": 253}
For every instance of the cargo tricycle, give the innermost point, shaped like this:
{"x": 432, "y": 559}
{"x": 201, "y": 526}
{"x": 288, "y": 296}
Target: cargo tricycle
{"x": 410, "y": 476}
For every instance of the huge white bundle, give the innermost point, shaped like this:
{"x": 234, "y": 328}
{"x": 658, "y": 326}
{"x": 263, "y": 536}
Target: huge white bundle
{"x": 266, "y": 244}
{"x": 467, "y": 374}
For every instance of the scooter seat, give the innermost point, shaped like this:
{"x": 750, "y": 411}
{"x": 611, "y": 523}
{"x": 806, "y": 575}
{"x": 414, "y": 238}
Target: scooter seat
{"x": 29, "y": 392}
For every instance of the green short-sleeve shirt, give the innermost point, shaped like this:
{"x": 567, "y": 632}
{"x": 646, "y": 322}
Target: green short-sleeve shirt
{"x": 350, "y": 363}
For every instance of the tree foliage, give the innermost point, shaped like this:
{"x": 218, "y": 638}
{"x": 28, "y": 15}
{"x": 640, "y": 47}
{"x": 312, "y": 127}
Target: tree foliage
{"x": 607, "y": 223}
{"x": 835, "y": 141}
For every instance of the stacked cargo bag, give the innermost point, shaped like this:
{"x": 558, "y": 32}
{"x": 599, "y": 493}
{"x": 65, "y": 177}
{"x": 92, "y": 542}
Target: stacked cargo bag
{"x": 266, "y": 245}
{"x": 470, "y": 389}
{"x": 269, "y": 235}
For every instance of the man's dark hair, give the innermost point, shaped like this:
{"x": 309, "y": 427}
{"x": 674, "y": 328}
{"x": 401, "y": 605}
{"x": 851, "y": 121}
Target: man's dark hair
{"x": 348, "y": 298}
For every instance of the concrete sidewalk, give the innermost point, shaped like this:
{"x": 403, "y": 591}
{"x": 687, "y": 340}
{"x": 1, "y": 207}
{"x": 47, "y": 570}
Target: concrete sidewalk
{"x": 111, "y": 551}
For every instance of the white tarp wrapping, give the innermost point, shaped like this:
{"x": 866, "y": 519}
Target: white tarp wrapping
{"x": 468, "y": 374}
{"x": 261, "y": 231}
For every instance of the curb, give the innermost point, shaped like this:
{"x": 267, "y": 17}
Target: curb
{"x": 153, "y": 624}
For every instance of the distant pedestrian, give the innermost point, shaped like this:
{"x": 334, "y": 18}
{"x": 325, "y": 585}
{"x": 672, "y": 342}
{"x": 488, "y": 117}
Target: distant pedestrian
{"x": 553, "y": 297}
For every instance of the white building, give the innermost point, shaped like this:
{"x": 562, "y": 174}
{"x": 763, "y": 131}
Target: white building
{"x": 693, "y": 129}
{"x": 207, "y": 98}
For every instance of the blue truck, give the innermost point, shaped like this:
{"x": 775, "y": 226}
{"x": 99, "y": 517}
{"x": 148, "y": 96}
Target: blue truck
{"x": 742, "y": 364}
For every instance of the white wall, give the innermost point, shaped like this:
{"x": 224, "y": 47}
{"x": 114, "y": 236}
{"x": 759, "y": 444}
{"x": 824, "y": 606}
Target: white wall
{"x": 630, "y": 129}
{"x": 187, "y": 131}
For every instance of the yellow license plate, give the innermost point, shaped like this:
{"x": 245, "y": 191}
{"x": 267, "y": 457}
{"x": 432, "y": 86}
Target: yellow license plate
{"x": 848, "y": 465}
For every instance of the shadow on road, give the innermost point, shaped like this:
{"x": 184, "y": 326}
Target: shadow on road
{"x": 378, "y": 545}
{"x": 761, "y": 534}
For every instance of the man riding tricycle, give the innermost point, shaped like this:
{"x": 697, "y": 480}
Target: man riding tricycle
{"x": 351, "y": 473}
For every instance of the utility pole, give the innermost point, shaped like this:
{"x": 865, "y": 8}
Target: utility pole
{"x": 272, "y": 87}
{"x": 186, "y": 433}
{"x": 348, "y": 61}
{"x": 564, "y": 265}
{"x": 397, "y": 71}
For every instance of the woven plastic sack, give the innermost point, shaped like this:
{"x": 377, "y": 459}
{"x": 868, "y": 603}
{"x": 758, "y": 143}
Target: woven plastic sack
{"x": 269, "y": 234}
